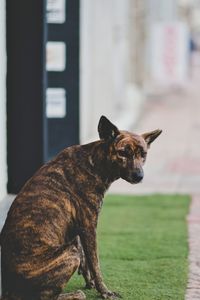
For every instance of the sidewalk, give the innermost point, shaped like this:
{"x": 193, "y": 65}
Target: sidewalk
{"x": 193, "y": 286}
{"x": 173, "y": 161}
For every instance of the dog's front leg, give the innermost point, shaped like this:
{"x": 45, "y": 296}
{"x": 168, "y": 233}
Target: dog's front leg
{"x": 83, "y": 268}
{"x": 88, "y": 240}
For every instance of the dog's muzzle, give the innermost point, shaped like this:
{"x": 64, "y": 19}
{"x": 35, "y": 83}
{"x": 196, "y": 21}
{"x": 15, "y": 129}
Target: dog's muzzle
{"x": 138, "y": 176}
{"x": 135, "y": 176}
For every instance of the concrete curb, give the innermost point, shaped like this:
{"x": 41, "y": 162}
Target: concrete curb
{"x": 193, "y": 286}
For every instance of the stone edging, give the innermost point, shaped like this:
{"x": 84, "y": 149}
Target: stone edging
{"x": 193, "y": 286}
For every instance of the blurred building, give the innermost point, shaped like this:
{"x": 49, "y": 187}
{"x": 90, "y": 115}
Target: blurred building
{"x": 99, "y": 61}
{"x": 112, "y": 62}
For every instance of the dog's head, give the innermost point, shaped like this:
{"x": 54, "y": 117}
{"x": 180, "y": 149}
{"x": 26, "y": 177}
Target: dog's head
{"x": 127, "y": 151}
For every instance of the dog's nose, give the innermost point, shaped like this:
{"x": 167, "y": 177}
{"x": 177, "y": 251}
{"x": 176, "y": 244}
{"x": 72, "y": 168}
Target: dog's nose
{"x": 138, "y": 175}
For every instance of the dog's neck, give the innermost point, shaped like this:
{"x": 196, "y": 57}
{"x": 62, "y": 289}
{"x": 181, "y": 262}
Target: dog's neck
{"x": 99, "y": 162}
{"x": 89, "y": 171}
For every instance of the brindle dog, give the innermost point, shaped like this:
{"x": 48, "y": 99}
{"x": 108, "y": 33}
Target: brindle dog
{"x": 50, "y": 230}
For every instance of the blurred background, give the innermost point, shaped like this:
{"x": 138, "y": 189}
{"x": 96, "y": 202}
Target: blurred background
{"x": 64, "y": 63}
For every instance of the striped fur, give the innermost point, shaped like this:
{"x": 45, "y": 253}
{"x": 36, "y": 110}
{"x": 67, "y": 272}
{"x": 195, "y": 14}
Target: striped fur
{"x": 50, "y": 230}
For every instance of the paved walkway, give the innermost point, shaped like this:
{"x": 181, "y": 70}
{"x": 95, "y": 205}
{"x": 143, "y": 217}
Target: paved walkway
{"x": 173, "y": 161}
{"x": 193, "y": 288}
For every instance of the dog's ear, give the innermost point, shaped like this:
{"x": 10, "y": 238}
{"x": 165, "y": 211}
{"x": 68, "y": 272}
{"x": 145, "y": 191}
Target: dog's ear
{"x": 106, "y": 129}
{"x": 149, "y": 137}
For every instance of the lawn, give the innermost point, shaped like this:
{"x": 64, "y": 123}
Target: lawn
{"x": 143, "y": 247}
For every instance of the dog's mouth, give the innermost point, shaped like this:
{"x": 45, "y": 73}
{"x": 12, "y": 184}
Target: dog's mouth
{"x": 133, "y": 177}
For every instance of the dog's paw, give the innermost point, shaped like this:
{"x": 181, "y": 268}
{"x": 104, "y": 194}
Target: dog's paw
{"x": 110, "y": 295}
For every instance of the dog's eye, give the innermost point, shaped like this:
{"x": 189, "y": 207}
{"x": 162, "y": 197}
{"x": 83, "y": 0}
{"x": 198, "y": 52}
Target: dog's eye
{"x": 126, "y": 152}
{"x": 122, "y": 153}
{"x": 143, "y": 154}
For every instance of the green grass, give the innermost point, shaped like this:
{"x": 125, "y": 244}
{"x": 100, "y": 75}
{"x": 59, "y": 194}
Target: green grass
{"x": 143, "y": 247}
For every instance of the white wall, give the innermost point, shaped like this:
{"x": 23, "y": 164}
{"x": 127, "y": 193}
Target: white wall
{"x": 105, "y": 65}
{"x": 3, "y": 164}
{"x": 162, "y": 10}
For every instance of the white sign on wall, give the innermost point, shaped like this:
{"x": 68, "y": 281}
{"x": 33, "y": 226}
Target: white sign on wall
{"x": 169, "y": 52}
{"x": 56, "y": 11}
{"x": 55, "y": 103}
{"x": 55, "y": 56}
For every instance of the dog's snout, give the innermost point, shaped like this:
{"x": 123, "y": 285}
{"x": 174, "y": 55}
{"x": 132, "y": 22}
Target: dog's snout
{"x": 134, "y": 176}
{"x": 138, "y": 175}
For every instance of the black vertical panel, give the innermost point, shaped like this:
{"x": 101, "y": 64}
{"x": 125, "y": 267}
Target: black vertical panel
{"x": 63, "y": 132}
{"x": 25, "y": 89}
{"x": 33, "y": 138}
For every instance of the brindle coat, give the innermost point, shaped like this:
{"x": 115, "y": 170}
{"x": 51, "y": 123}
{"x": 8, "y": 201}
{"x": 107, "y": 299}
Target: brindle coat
{"x": 50, "y": 230}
